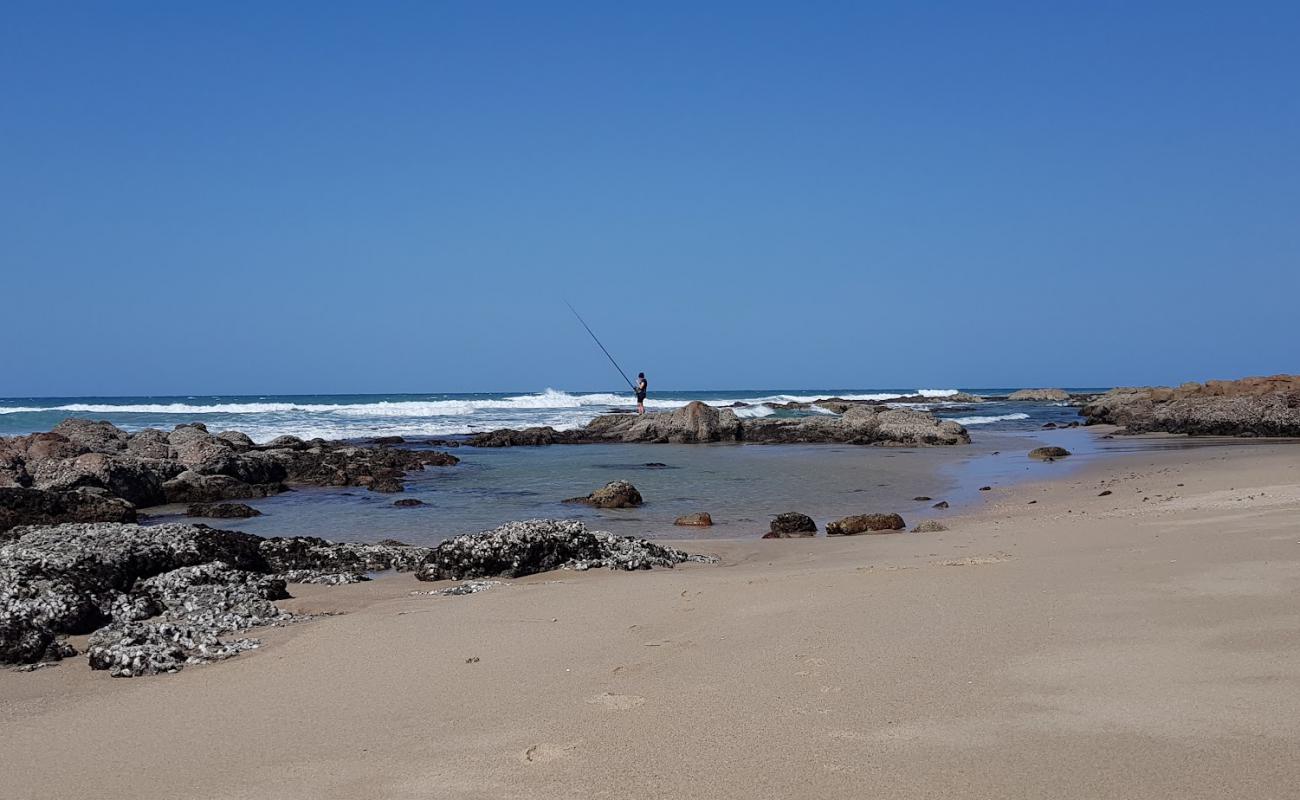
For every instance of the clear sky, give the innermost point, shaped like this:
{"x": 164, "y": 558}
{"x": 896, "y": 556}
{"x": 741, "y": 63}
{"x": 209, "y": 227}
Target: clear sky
{"x": 275, "y": 197}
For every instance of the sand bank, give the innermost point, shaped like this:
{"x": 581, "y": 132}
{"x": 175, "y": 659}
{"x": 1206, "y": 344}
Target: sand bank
{"x": 1142, "y": 644}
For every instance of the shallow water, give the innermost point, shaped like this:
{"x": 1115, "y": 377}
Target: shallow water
{"x": 741, "y": 486}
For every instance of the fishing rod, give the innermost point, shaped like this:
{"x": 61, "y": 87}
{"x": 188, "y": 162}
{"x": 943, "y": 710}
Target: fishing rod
{"x": 602, "y": 347}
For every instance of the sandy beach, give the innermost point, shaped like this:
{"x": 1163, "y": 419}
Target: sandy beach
{"x": 1140, "y": 644}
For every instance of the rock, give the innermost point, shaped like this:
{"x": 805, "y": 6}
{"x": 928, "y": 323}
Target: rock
{"x": 23, "y": 506}
{"x": 408, "y": 502}
{"x": 1048, "y": 453}
{"x": 93, "y": 437}
{"x": 1248, "y": 407}
{"x": 921, "y": 499}
{"x": 1048, "y": 425}
{"x": 149, "y": 443}
{"x": 508, "y": 437}
{"x": 700, "y": 519}
{"x": 222, "y": 510}
{"x": 986, "y": 488}
{"x": 66, "y": 579}
{"x": 615, "y": 494}
{"x": 138, "y": 481}
{"x": 1104, "y": 493}
{"x": 387, "y": 485}
{"x": 865, "y": 523}
{"x": 791, "y": 525}
{"x": 930, "y": 526}
{"x": 697, "y": 422}
{"x": 388, "y": 440}
{"x": 392, "y": 542}
{"x": 1039, "y": 395}
{"x": 300, "y": 557}
{"x": 524, "y": 548}
{"x": 940, "y": 504}
{"x": 285, "y": 442}
{"x": 192, "y": 487}
{"x": 239, "y": 442}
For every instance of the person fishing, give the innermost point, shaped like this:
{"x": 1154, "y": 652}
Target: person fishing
{"x": 640, "y": 389}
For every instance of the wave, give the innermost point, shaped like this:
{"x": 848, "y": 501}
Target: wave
{"x": 987, "y": 420}
{"x": 549, "y": 399}
{"x": 754, "y": 411}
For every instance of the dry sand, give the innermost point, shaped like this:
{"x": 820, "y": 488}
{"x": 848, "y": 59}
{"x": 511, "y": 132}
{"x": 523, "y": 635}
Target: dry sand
{"x": 1078, "y": 647}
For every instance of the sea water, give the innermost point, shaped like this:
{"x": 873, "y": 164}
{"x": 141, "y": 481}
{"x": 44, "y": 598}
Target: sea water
{"x": 740, "y": 485}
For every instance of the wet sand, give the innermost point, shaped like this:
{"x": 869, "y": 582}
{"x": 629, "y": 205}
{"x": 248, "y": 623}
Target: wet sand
{"x": 1145, "y": 644}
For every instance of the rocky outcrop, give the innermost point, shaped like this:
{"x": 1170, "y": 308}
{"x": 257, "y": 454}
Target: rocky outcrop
{"x": 615, "y": 494}
{"x": 1040, "y": 395}
{"x": 1248, "y": 407}
{"x": 160, "y": 597}
{"x": 791, "y": 525}
{"x": 700, "y": 519}
{"x": 1048, "y": 453}
{"x": 697, "y": 422}
{"x": 541, "y": 545}
{"x": 865, "y": 523}
{"x": 187, "y": 465}
{"x": 930, "y": 526}
{"x": 222, "y": 510}
{"x": 22, "y": 506}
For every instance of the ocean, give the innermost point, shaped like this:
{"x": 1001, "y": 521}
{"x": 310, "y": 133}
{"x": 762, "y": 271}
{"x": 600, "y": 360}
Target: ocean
{"x": 740, "y": 485}
{"x": 360, "y": 416}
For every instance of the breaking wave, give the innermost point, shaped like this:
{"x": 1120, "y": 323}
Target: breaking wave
{"x": 987, "y": 420}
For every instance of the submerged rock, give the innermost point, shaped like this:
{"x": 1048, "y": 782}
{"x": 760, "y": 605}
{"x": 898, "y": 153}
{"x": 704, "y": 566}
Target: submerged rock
{"x": 1048, "y": 453}
{"x": 791, "y": 525}
{"x": 865, "y": 523}
{"x": 541, "y": 545}
{"x": 1248, "y": 407}
{"x": 615, "y": 494}
{"x": 222, "y": 510}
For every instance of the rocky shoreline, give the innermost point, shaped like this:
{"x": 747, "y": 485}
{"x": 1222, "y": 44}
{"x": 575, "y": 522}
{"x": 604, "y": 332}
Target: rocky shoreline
{"x": 856, "y": 423}
{"x": 156, "y": 598}
{"x": 1250, "y": 407}
{"x": 86, "y": 471}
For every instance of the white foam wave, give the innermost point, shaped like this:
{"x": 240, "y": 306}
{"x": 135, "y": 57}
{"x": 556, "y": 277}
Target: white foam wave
{"x": 755, "y": 411}
{"x": 936, "y": 392}
{"x": 987, "y": 420}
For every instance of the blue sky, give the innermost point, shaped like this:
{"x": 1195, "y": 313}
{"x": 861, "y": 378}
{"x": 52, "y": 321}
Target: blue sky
{"x": 382, "y": 197}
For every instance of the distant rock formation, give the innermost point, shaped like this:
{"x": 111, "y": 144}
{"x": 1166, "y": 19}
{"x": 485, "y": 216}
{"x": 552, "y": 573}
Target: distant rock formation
{"x": 1268, "y": 406}
{"x": 1042, "y": 395}
{"x": 697, "y": 422}
{"x": 187, "y": 465}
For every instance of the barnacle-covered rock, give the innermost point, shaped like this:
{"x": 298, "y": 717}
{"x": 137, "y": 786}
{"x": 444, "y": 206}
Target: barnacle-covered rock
{"x": 523, "y": 548}
{"x": 301, "y": 558}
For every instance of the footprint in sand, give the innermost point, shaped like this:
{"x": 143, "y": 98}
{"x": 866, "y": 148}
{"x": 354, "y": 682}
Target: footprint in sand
{"x": 617, "y": 702}
{"x": 541, "y": 753}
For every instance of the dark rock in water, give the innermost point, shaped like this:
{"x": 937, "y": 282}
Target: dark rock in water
{"x": 387, "y": 485}
{"x": 697, "y": 422}
{"x": 986, "y": 488}
{"x": 1049, "y": 425}
{"x": 790, "y": 525}
{"x": 388, "y": 440}
{"x": 222, "y": 510}
{"x": 187, "y": 465}
{"x": 930, "y": 526}
{"x": 523, "y": 548}
{"x": 408, "y": 502}
{"x": 865, "y": 523}
{"x": 615, "y": 494}
{"x": 1248, "y": 407}
{"x": 443, "y": 443}
{"x": 940, "y": 504}
{"x": 1104, "y": 493}
{"x": 1039, "y": 395}
{"x": 654, "y": 465}
{"x": 507, "y": 437}
{"x": 22, "y": 506}
{"x": 700, "y": 519}
{"x": 921, "y": 499}
{"x": 1048, "y": 453}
